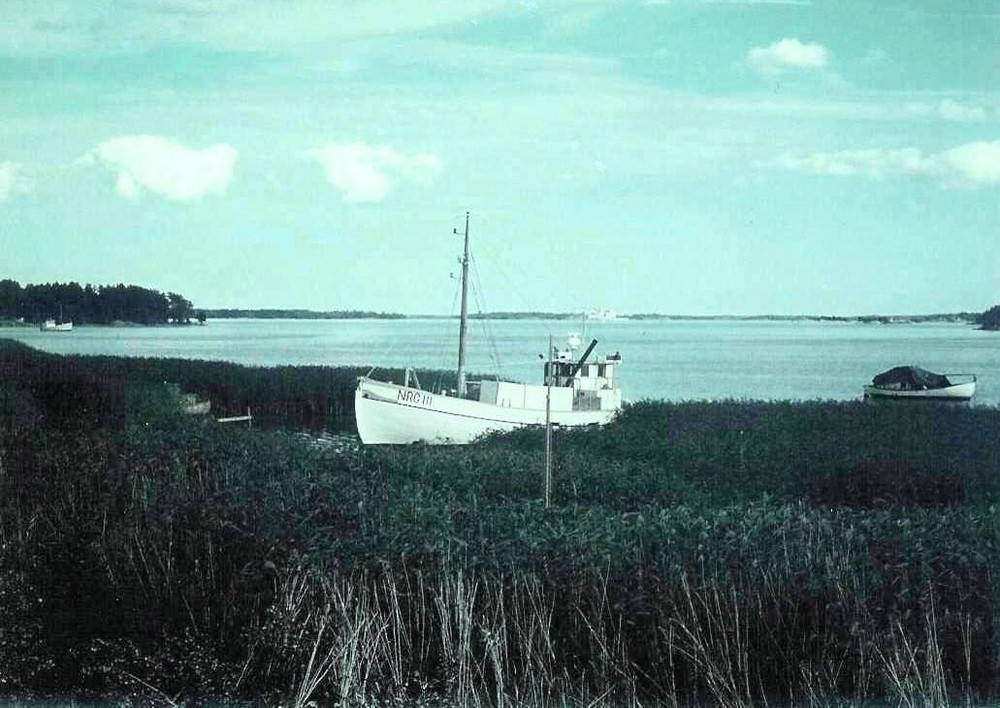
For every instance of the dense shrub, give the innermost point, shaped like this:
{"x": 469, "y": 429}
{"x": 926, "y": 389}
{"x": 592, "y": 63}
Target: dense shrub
{"x": 874, "y": 484}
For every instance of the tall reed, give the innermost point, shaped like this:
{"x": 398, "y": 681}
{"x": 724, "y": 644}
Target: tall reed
{"x": 722, "y": 553}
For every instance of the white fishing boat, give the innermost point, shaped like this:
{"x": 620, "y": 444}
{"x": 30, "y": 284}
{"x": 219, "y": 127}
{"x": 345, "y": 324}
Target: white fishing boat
{"x": 914, "y": 383}
{"x": 59, "y": 325}
{"x": 575, "y": 391}
{"x": 56, "y": 326}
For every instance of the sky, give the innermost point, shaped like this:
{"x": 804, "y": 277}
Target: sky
{"x": 695, "y": 157}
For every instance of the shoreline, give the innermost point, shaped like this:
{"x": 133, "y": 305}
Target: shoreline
{"x": 14, "y": 324}
{"x": 292, "y": 315}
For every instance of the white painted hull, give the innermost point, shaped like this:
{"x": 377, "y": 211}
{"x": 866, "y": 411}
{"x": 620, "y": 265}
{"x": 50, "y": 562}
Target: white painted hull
{"x": 53, "y": 326}
{"x": 389, "y": 414}
{"x": 958, "y": 392}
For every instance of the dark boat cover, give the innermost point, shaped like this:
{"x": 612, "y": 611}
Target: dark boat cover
{"x": 910, "y": 378}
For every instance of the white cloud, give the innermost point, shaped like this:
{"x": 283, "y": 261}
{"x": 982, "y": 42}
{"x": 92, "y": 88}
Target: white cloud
{"x": 9, "y": 181}
{"x": 947, "y": 109}
{"x": 977, "y": 163}
{"x": 30, "y": 28}
{"x": 875, "y": 162}
{"x": 971, "y": 164}
{"x": 166, "y": 168}
{"x": 952, "y": 110}
{"x": 365, "y": 173}
{"x": 787, "y": 55}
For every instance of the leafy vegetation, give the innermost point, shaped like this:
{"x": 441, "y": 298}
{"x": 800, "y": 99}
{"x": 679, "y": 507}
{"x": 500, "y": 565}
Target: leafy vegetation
{"x": 991, "y": 318}
{"x": 87, "y": 304}
{"x": 725, "y": 553}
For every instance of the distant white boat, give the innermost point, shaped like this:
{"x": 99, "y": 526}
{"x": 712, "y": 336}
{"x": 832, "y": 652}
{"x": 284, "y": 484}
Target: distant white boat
{"x": 56, "y": 326}
{"x": 575, "y": 392}
{"x": 914, "y": 383}
{"x": 605, "y": 315}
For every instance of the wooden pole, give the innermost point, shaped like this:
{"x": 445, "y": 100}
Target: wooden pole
{"x": 548, "y": 430}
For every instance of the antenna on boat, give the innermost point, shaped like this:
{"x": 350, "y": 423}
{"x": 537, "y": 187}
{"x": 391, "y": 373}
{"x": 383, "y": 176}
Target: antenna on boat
{"x": 463, "y": 318}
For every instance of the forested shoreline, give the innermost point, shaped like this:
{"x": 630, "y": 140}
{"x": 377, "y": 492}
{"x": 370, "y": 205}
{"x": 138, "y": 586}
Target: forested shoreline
{"x": 990, "y": 320}
{"x": 106, "y": 304}
{"x": 90, "y": 304}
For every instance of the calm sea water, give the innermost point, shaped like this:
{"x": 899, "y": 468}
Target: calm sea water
{"x": 673, "y": 360}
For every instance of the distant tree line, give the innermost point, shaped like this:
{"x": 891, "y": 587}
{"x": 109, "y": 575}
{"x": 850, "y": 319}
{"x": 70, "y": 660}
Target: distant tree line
{"x": 991, "y": 318}
{"x": 276, "y": 314}
{"x": 531, "y": 315}
{"x": 864, "y": 319}
{"x": 89, "y": 304}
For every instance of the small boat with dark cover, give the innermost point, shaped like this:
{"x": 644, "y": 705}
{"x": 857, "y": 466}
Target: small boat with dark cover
{"x": 912, "y": 382}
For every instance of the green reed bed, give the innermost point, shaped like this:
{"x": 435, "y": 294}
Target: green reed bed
{"x": 315, "y": 397}
{"x": 725, "y": 553}
{"x": 688, "y": 590}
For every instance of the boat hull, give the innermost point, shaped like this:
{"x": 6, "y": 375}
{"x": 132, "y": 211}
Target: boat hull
{"x": 53, "y": 326}
{"x": 390, "y": 414}
{"x": 957, "y": 392}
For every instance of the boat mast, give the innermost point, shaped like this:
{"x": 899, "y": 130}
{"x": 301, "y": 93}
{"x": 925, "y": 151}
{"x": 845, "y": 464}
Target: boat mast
{"x": 464, "y": 317}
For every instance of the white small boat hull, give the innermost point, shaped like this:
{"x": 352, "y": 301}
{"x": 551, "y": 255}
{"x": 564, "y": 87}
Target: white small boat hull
{"x": 957, "y": 392}
{"x": 390, "y": 414}
{"x": 53, "y": 326}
